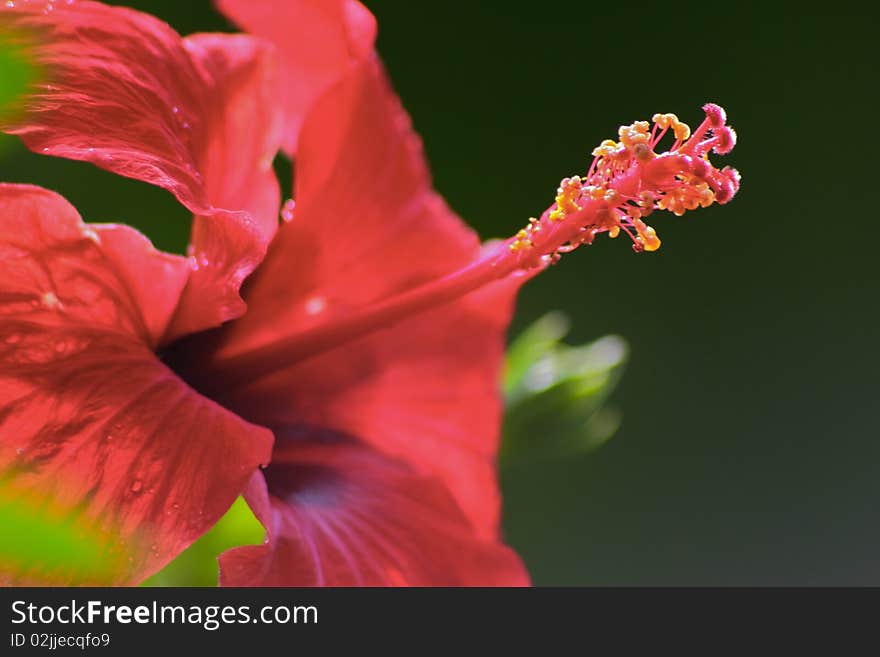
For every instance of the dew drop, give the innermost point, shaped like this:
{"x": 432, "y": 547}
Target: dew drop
{"x": 175, "y": 506}
{"x": 12, "y": 338}
{"x": 288, "y": 209}
{"x": 175, "y": 109}
{"x": 19, "y": 451}
{"x": 10, "y": 4}
{"x": 49, "y": 300}
{"x": 315, "y": 305}
{"x": 136, "y": 486}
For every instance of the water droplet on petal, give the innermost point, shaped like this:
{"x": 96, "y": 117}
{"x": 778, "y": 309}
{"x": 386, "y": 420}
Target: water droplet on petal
{"x": 49, "y": 300}
{"x": 12, "y": 338}
{"x": 287, "y": 209}
{"x": 19, "y": 451}
{"x": 316, "y": 305}
{"x": 10, "y": 4}
{"x": 136, "y": 486}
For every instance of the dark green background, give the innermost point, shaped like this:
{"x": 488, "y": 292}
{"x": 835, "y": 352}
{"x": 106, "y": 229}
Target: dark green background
{"x": 749, "y": 449}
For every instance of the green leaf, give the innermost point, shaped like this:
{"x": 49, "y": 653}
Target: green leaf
{"x": 17, "y": 75}
{"x": 197, "y": 566}
{"x": 17, "y": 72}
{"x": 556, "y": 394}
{"x": 42, "y": 541}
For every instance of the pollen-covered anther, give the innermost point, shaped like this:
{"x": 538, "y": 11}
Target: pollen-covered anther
{"x": 567, "y": 196}
{"x": 647, "y": 236}
{"x": 646, "y": 200}
{"x": 634, "y": 134}
{"x": 521, "y": 242}
{"x": 671, "y": 122}
{"x": 606, "y": 149}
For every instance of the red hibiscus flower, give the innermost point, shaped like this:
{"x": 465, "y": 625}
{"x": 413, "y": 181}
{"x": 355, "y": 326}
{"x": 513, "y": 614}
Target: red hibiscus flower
{"x": 339, "y": 368}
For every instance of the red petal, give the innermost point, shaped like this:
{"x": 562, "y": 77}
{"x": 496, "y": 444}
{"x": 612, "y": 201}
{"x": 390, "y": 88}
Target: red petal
{"x": 194, "y": 116}
{"x": 343, "y": 515}
{"x": 367, "y": 226}
{"x": 317, "y": 41}
{"x": 237, "y": 173}
{"x": 90, "y": 418}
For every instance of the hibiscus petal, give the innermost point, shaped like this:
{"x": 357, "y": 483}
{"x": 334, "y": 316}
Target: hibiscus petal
{"x": 194, "y": 116}
{"x": 237, "y": 173}
{"x": 368, "y": 225}
{"x": 90, "y": 418}
{"x": 340, "y": 514}
{"x": 317, "y": 41}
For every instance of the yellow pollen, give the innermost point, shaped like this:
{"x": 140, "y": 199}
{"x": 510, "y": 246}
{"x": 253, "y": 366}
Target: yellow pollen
{"x": 681, "y": 130}
{"x": 606, "y": 149}
{"x": 631, "y": 135}
{"x": 596, "y": 193}
{"x": 520, "y": 245}
{"x": 647, "y": 236}
{"x": 566, "y": 198}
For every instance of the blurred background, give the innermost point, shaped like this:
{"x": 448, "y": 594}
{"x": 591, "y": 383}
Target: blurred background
{"x": 748, "y": 449}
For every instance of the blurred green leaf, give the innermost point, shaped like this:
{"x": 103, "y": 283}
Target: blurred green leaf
{"x": 17, "y": 73}
{"x": 533, "y": 343}
{"x": 42, "y": 541}
{"x": 556, "y": 394}
{"x": 197, "y": 566}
